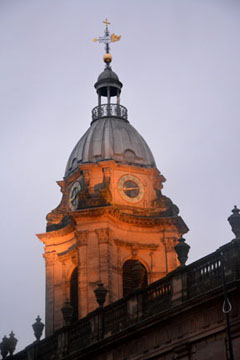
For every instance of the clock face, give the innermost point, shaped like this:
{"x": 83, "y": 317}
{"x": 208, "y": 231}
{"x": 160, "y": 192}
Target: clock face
{"x": 130, "y": 188}
{"x": 73, "y": 196}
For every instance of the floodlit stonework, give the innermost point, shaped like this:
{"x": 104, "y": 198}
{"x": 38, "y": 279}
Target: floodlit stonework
{"x": 114, "y": 227}
{"x": 105, "y": 231}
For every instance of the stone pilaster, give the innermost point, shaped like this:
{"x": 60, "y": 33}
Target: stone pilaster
{"x": 82, "y": 243}
{"x": 50, "y": 258}
{"x": 105, "y": 263}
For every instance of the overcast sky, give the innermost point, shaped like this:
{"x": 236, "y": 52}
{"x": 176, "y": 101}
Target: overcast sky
{"x": 179, "y": 63}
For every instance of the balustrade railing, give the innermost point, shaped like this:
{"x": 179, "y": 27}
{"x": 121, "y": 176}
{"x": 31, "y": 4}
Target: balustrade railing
{"x": 200, "y": 277}
{"x": 80, "y": 333}
{"x": 204, "y": 275}
{"x": 115, "y": 317}
{"x": 157, "y": 296}
{"x": 109, "y": 110}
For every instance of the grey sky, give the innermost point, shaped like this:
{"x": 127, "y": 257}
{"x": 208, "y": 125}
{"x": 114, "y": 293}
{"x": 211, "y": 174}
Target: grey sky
{"x": 179, "y": 63}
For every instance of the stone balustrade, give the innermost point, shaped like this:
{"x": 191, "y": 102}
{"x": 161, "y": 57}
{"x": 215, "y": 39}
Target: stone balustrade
{"x": 178, "y": 287}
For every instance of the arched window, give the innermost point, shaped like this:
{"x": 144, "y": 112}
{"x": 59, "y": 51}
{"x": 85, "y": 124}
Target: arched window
{"x": 134, "y": 276}
{"x": 74, "y": 293}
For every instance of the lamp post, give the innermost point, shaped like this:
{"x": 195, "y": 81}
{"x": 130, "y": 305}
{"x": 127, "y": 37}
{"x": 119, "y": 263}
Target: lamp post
{"x": 227, "y": 307}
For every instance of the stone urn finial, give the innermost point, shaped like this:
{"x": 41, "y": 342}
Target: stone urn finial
{"x": 12, "y": 342}
{"x": 100, "y": 293}
{"x": 38, "y": 327}
{"x": 4, "y": 347}
{"x": 234, "y": 221}
{"x": 67, "y": 311}
{"x": 182, "y": 250}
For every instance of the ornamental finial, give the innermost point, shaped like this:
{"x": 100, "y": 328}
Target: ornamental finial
{"x": 107, "y": 39}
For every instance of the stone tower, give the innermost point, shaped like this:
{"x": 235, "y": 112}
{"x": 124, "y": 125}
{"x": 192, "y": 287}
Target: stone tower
{"x": 113, "y": 218}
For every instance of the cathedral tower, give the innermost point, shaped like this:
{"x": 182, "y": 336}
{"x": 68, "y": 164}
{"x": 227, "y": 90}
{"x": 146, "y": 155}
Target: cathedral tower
{"x": 113, "y": 222}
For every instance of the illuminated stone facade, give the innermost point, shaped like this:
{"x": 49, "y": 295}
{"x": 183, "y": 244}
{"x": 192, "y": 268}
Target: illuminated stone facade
{"x": 112, "y": 211}
{"x": 114, "y": 226}
{"x": 104, "y": 232}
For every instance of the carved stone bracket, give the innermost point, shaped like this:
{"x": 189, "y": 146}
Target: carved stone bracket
{"x": 103, "y": 235}
{"x": 82, "y": 237}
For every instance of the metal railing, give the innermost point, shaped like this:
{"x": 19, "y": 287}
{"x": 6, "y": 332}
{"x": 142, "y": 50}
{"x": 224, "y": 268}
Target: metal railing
{"x": 109, "y": 110}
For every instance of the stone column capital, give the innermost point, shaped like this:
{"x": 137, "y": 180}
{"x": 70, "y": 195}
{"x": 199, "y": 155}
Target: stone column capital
{"x": 103, "y": 235}
{"x": 50, "y": 257}
{"x": 82, "y": 237}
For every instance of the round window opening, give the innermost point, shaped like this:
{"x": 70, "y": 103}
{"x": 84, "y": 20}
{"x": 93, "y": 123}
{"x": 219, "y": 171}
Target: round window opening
{"x": 131, "y": 188}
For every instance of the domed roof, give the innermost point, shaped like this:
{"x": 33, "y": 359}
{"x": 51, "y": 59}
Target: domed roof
{"x": 110, "y": 138}
{"x": 107, "y": 74}
{"x": 108, "y": 78}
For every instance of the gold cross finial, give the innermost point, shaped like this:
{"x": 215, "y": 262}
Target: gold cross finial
{"x": 107, "y": 38}
{"x": 106, "y": 22}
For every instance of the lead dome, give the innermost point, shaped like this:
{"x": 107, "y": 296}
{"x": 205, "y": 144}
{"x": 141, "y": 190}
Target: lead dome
{"x": 110, "y": 136}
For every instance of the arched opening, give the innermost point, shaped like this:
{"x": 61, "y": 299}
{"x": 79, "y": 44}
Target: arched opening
{"x": 74, "y": 293}
{"x": 134, "y": 276}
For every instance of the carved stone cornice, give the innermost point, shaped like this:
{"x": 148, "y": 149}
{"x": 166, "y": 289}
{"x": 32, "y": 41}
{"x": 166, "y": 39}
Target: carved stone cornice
{"x": 137, "y": 220}
{"x": 135, "y": 246}
{"x": 82, "y": 237}
{"x": 56, "y": 234}
{"x": 103, "y": 235}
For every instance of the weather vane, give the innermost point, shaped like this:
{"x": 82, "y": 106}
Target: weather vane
{"x": 107, "y": 39}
